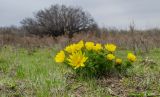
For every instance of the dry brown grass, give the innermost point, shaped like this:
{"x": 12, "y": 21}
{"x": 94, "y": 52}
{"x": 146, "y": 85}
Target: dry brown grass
{"x": 137, "y": 40}
{"x": 26, "y": 41}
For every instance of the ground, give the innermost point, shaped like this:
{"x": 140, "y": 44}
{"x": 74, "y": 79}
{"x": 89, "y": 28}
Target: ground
{"x": 31, "y": 72}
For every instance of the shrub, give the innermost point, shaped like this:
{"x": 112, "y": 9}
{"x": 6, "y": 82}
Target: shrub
{"x": 94, "y": 59}
{"x": 59, "y": 20}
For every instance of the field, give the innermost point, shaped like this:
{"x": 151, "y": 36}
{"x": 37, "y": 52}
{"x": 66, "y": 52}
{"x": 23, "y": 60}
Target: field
{"x": 33, "y": 73}
{"x": 62, "y": 51}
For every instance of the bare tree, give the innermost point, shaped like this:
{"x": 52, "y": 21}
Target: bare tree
{"x": 58, "y": 20}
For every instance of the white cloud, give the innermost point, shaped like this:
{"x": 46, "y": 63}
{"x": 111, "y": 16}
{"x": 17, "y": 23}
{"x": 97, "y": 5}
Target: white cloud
{"x": 117, "y": 13}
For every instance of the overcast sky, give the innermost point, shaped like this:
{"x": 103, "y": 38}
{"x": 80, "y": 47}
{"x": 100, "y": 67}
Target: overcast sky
{"x": 108, "y": 13}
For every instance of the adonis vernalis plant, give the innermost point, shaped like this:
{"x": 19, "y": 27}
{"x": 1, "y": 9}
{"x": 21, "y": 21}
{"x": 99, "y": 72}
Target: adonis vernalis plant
{"x": 94, "y": 58}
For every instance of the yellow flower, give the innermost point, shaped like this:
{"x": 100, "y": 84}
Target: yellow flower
{"x": 59, "y": 58}
{"x": 97, "y": 47}
{"x": 74, "y": 47}
{"x": 80, "y": 45}
{"x": 110, "y": 57}
{"x": 77, "y": 59}
{"x": 71, "y": 48}
{"x": 110, "y": 47}
{"x": 131, "y": 57}
{"x": 118, "y": 61}
{"x": 89, "y": 45}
